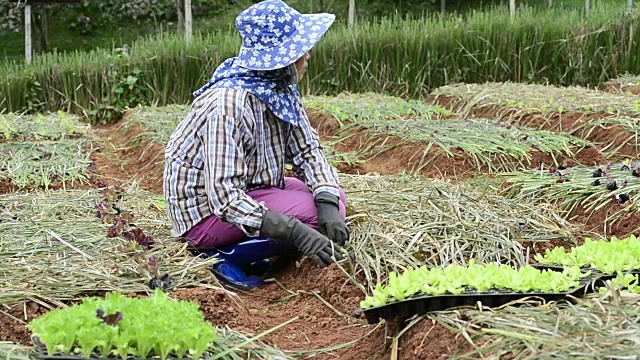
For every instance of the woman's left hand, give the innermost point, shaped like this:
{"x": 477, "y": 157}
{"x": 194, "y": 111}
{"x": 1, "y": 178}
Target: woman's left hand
{"x": 330, "y": 222}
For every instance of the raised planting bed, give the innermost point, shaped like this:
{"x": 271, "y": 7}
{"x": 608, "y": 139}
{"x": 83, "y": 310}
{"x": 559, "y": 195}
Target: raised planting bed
{"x": 430, "y": 145}
{"x": 603, "y": 118}
{"x": 399, "y": 222}
{"x": 44, "y": 164}
{"x": 423, "y": 290}
{"x": 41, "y": 127}
{"x": 594, "y": 189}
{"x": 60, "y": 245}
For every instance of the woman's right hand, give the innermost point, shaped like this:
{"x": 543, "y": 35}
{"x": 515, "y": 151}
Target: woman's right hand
{"x": 310, "y": 242}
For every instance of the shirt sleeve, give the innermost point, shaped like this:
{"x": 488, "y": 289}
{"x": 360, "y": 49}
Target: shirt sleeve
{"x": 307, "y": 153}
{"x": 226, "y": 174}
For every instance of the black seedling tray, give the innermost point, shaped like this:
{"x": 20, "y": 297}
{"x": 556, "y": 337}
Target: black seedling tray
{"x": 422, "y": 304}
{"x": 42, "y": 354}
{"x": 602, "y": 276}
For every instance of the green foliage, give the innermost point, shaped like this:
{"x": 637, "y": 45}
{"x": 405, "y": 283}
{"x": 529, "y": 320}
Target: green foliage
{"x": 455, "y": 279}
{"x": 497, "y": 146}
{"x": 607, "y": 256}
{"x": 155, "y": 326}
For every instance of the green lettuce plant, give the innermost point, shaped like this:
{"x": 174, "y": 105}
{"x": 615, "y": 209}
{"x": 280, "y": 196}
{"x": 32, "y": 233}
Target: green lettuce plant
{"x": 627, "y": 282}
{"x": 455, "y": 279}
{"x": 123, "y": 326}
{"x": 606, "y": 256}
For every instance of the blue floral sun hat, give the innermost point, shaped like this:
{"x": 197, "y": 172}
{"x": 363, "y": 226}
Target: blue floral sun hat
{"x": 275, "y": 35}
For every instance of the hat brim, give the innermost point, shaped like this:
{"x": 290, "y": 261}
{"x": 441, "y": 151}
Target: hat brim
{"x": 312, "y": 28}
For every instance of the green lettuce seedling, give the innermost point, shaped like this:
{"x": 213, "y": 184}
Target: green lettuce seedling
{"x": 607, "y": 256}
{"x": 626, "y": 281}
{"x": 454, "y": 279}
{"x": 124, "y": 326}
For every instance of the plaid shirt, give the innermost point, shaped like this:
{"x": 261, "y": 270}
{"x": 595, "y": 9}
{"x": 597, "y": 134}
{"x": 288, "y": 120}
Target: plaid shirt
{"x": 228, "y": 144}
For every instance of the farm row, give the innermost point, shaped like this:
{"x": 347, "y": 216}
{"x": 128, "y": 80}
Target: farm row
{"x": 493, "y": 172}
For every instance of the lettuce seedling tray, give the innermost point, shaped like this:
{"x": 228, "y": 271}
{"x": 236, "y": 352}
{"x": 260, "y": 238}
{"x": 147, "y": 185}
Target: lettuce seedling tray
{"x": 421, "y": 304}
{"x": 42, "y": 354}
{"x": 602, "y": 276}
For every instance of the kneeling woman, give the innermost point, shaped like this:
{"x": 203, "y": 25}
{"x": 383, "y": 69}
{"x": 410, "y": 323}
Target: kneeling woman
{"x": 224, "y": 170}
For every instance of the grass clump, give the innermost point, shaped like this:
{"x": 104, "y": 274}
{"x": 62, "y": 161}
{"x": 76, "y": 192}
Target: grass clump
{"x": 40, "y": 164}
{"x": 372, "y": 106}
{"x": 40, "y": 127}
{"x": 625, "y": 80}
{"x": 55, "y": 249}
{"x": 395, "y": 55}
{"x": 156, "y": 124}
{"x": 123, "y": 326}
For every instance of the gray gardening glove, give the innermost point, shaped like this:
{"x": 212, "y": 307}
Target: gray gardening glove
{"x": 308, "y": 241}
{"x": 330, "y": 222}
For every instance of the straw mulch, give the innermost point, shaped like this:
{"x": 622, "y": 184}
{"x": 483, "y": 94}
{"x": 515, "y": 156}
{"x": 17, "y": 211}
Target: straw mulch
{"x": 54, "y": 249}
{"x": 397, "y": 222}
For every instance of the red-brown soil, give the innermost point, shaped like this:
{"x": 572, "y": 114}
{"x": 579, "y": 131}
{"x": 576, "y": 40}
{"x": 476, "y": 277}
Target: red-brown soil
{"x": 429, "y": 340}
{"x": 595, "y": 221}
{"x": 13, "y": 322}
{"x": 318, "y": 326}
{"x": 610, "y": 136}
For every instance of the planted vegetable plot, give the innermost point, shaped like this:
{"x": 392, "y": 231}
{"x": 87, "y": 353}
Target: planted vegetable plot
{"x": 612, "y": 187}
{"x": 57, "y": 246}
{"x": 372, "y": 106}
{"x": 43, "y": 164}
{"x": 582, "y": 112}
{"x": 402, "y": 222}
{"x": 377, "y": 125}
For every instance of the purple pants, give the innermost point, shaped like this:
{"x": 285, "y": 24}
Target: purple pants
{"x": 294, "y": 200}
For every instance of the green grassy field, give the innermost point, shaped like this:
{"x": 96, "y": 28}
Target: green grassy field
{"x": 62, "y": 38}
